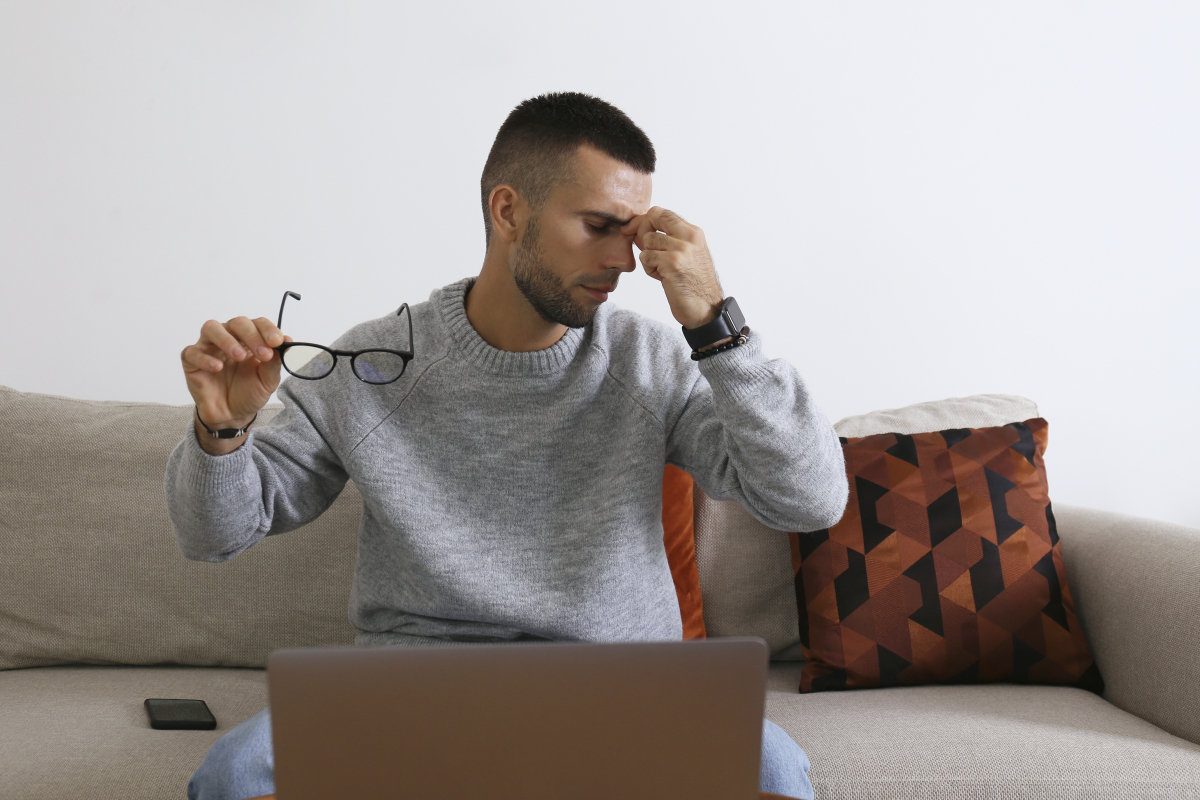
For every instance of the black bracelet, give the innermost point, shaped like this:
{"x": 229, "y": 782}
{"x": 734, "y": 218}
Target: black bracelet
{"x": 700, "y": 354}
{"x": 225, "y": 433}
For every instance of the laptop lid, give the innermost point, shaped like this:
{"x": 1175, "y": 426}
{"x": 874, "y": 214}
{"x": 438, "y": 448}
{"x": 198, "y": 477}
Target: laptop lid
{"x": 648, "y": 720}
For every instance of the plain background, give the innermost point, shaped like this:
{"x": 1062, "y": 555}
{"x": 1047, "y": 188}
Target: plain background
{"x": 911, "y": 201}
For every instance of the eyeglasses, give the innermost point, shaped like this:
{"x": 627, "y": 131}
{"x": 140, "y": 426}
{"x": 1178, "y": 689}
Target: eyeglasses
{"x": 311, "y": 362}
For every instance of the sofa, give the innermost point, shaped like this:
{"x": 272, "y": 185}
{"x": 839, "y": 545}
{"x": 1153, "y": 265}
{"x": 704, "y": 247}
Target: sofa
{"x": 99, "y": 611}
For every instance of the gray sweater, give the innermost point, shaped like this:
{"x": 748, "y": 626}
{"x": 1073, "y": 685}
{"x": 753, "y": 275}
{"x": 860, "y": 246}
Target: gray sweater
{"x": 516, "y": 496}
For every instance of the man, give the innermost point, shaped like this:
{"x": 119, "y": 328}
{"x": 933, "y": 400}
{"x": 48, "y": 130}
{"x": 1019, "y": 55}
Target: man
{"x": 512, "y": 476}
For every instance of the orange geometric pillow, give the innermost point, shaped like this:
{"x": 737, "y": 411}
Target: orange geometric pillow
{"x": 679, "y": 537}
{"x": 945, "y": 568}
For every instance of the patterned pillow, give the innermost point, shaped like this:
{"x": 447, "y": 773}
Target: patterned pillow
{"x": 945, "y": 568}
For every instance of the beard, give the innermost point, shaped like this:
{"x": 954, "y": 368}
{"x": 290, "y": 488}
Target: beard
{"x": 543, "y": 288}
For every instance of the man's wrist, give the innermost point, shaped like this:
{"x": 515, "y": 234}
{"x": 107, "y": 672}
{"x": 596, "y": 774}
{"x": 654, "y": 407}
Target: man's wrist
{"x": 214, "y": 446}
{"x": 239, "y": 423}
{"x": 230, "y": 429}
{"x": 724, "y": 327}
{"x": 714, "y": 311}
{"x": 726, "y": 340}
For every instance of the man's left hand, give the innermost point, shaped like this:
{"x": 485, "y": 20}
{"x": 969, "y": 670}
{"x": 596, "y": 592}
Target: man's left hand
{"x": 675, "y": 254}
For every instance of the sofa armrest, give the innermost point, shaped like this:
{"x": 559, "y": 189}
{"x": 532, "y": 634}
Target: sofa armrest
{"x": 1135, "y": 586}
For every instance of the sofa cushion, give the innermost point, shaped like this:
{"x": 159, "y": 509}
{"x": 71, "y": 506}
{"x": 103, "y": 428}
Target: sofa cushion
{"x": 91, "y": 567}
{"x": 78, "y": 733}
{"x": 1010, "y": 741}
{"x": 976, "y": 411}
{"x": 1134, "y": 582}
{"x": 93, "y": 572}
{"x": 71, "y": 732}
{"x": 945, "y": 568}
{"x": 746, "y": 575}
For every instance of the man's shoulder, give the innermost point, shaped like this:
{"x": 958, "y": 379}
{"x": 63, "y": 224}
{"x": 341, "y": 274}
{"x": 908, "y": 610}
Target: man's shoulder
{"x": 646, "y": 351}
{"x": 637, "y": 331}
{"x": 390, "y": 331}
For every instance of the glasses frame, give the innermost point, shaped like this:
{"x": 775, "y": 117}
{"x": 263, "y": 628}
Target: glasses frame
{"x": 406, "y": 355}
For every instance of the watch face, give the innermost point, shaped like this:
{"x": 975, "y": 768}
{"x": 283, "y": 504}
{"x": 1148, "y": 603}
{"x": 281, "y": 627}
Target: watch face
{"x": 734, "y": 316}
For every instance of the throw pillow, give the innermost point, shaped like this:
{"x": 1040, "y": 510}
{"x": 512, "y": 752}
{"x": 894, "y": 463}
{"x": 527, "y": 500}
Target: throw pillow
{"x": 680, "y": 540}
{"x": 945, "y": 568}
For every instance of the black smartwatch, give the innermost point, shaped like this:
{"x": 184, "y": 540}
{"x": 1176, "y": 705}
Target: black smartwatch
{"x": 728, "y": 323}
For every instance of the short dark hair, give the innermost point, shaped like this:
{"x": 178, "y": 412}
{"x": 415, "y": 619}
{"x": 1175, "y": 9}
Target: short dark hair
{"x": 534, "y": 148}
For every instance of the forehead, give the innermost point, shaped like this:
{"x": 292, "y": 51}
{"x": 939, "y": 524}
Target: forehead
{"x": 605, "y": 184}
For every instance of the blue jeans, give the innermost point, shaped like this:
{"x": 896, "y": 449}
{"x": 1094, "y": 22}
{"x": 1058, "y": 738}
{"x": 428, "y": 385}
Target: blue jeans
{"x": 241, "y": 764}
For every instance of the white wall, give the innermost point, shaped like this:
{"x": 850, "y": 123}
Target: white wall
{"x": 910, "y": 201}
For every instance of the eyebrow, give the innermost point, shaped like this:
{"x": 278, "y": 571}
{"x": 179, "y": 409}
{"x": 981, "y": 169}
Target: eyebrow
{"x": 610, "y": 218}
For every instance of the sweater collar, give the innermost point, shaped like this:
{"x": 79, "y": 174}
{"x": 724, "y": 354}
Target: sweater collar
{"x": 451, "y": 302}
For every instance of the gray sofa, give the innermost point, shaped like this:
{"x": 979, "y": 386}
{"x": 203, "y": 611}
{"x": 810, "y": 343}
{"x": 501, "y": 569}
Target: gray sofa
{"x": 99, "y": 611}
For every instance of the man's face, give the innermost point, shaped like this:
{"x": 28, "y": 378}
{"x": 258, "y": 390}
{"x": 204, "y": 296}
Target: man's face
{"x": 575, "y": 241}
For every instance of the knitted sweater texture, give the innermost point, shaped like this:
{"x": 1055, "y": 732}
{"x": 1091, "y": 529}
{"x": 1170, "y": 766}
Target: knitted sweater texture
{"x": 516, "y": 496}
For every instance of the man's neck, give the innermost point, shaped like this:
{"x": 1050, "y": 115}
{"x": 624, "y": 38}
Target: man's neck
{"x": 502, "y": 316}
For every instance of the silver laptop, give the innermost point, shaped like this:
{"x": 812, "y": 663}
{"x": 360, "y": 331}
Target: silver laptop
{"x": 531, "y": 721}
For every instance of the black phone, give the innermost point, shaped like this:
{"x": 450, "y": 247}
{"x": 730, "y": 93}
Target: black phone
{"x": 176, "y": 715}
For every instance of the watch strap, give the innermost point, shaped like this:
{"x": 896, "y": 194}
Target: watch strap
{"x": 729, "y": 322}
{"x": 225, "y": 433}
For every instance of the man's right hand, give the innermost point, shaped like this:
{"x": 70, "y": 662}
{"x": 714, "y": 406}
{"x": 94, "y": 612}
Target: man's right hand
{"x": 231, "y": 372}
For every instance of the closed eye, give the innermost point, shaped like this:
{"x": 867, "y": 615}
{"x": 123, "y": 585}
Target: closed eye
{"x": 598, "y": 228}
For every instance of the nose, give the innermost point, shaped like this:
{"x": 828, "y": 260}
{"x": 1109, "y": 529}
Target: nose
{"x": 627, "y": 261}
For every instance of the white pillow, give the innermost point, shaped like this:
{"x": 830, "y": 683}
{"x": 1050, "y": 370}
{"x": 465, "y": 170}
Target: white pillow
{"x": 976, "y": 411}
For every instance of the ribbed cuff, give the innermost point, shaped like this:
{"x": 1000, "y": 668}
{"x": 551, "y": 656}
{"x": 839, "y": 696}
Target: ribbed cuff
{"x": 739, "y": 369}
{"x": 213, "y": 471}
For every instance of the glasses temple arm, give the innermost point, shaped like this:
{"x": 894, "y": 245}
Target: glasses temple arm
{"x": 279, "y": 324}
{"x": 401, "y": 310}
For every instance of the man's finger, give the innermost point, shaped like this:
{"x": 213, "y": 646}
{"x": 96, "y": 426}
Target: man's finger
{"x": 644, "y": 229}
{"x": 267, "y": 330}
{"x": 195, "y": 358}
{"x": 213, "y": 332}
{"x": 655, "y": 261}
{"x": 657, "y": 240}
{"x": 632, "y": 227}
{"x": 247, "y": 331}
{"x": 671, "y": 223}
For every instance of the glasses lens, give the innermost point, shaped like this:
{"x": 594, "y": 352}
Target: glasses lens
{"x": 378, "y": 366}
{"x": 305, "y": 361}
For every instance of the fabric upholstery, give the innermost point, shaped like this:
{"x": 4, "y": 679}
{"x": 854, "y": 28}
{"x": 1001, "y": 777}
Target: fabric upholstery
{"x": 979, "y": 742}
{"x": 93, "y": 573}
{"x": 1135, "y": 587}
{"x": 745, "y": 576}
{"x": 730, "y": 544}
{"x": 72, "y": 733}
{"x": 80, "y": 733}
{"x": 945, "y": 568}
{"x": 91, "y": 568}
{"x": 976, "y": 411}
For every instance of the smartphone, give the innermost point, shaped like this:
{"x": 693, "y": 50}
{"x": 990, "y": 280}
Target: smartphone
{"x": 175, "y": 715}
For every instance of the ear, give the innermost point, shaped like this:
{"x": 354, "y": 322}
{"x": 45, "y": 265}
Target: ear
{"x": 509, "y": 212}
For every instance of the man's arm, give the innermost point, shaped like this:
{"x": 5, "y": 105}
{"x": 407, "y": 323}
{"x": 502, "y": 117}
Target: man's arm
{"x": 282, "y": 477}
{"x": 750, "y": 431}
{"x": 224, "y": 495}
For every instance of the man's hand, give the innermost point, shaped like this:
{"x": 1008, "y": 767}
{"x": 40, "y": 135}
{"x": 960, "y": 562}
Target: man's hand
{"x": 231, "y": 372}
{"x": 674, "y": 253}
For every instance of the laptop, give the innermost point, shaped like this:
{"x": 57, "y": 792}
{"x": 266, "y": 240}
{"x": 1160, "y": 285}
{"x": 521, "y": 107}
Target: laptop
{"x": 636, "y": 721}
